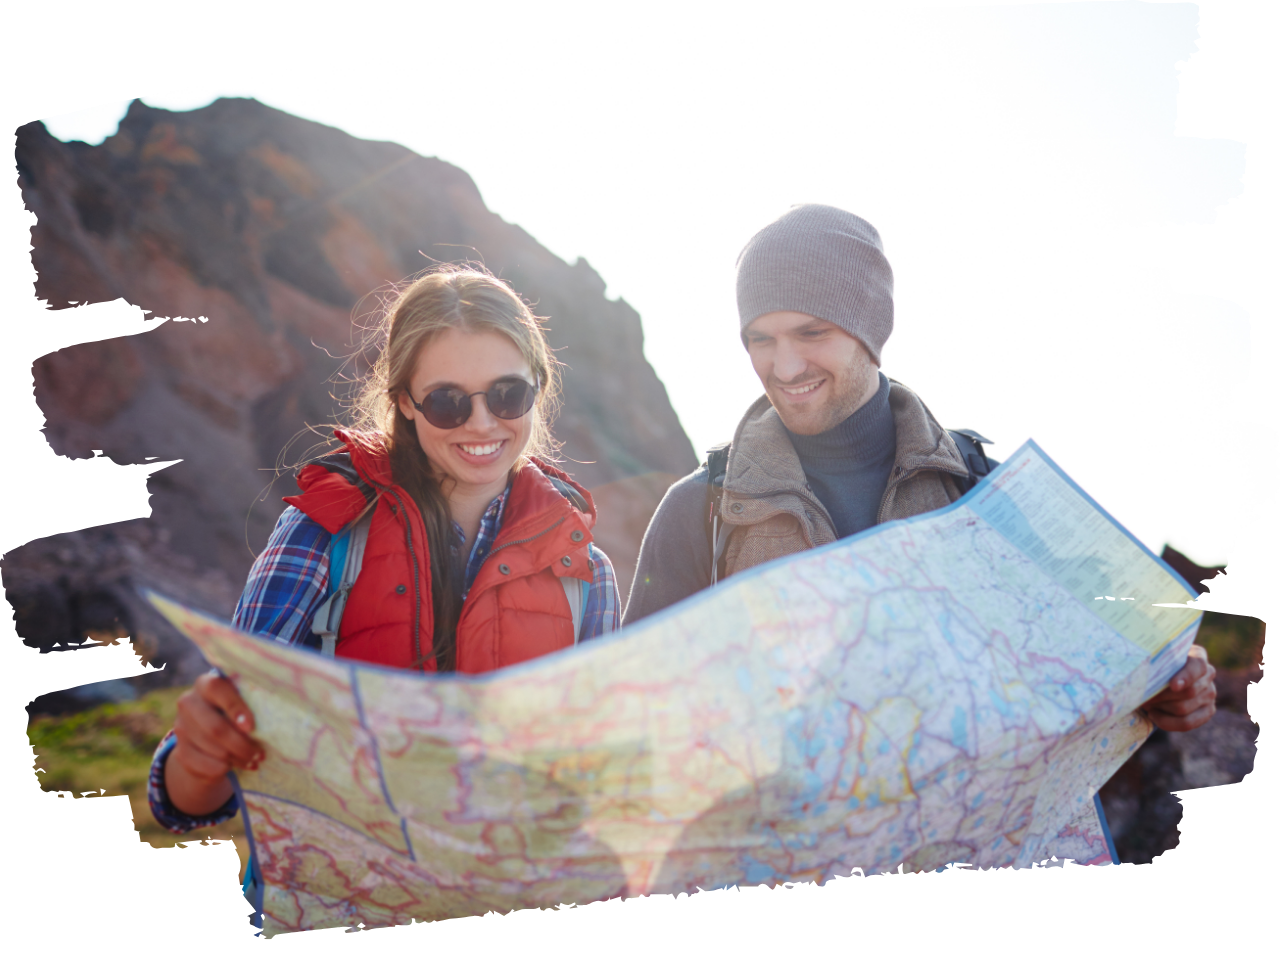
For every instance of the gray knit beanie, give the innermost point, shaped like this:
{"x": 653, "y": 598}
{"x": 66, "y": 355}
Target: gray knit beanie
{"x": 822, "y": 261}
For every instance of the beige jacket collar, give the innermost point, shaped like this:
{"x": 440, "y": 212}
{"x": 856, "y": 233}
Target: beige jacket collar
{"x": 764, "y": 475}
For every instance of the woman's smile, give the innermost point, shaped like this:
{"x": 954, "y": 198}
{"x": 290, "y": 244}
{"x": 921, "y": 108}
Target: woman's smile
{"x": 485, "y": 452}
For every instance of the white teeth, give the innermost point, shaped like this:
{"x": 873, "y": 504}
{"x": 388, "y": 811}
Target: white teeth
{"x": 480, "y": 450}
{"x": 802, "y": 390}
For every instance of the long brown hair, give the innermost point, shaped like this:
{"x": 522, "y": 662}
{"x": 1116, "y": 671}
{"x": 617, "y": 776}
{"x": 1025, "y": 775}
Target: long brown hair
{"x": 448, "y": 296}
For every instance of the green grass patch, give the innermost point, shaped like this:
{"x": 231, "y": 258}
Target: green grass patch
{"x": 108, "y": 749}
{"x": 1232, "y": 642}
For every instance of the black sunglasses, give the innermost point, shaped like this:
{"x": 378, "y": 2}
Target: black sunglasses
{"x": 507, "y": 399}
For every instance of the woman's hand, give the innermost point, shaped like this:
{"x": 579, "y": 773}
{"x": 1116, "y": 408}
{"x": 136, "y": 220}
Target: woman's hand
{"x": 212, "y": 730}
{"x": 1191, "y": 697}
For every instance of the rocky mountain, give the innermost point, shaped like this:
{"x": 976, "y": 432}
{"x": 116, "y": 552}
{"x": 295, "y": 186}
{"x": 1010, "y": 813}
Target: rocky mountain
{"x": 271, "y": 232}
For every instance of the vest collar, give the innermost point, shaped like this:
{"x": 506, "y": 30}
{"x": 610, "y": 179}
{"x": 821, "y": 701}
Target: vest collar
{"x": 534, "y": 506}
{"x": 531, "y": 490}
{"x": 540, "y": 530}
{"x": 534, "y": 499}
{"x": 368, "y": 455}
{"x": 336, "y": 489}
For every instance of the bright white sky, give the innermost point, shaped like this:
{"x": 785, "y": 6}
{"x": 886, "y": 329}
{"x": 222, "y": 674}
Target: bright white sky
{"x": 1056, "y": 246}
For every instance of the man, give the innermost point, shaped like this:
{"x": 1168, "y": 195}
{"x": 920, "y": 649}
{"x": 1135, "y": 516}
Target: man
{"x": 834, "y": 446}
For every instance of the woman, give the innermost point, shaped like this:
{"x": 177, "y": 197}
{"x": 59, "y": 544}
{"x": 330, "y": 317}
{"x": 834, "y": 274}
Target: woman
{"x": 469, "y": 532}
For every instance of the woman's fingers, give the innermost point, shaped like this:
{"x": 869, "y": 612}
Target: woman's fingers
{"x": 203, "y": 726}
{"x": 222, "y": 694}
{"x": 197, "y": 764}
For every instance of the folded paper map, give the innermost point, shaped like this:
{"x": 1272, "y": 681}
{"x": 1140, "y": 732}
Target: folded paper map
{"x": 952, "y": 688}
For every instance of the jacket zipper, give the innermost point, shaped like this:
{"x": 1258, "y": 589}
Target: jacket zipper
{"x": 888, "y": 488}
{"x": 902, "y": 478}
{"x": 417, "y": 593}
{"x": 822, "y": 511}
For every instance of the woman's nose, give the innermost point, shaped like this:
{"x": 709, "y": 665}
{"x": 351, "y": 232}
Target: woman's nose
{"x": 480, "y": 415}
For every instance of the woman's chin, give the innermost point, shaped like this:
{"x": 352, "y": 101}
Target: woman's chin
{"x": 469, "y": 469}
{"x": 482, "y": 475}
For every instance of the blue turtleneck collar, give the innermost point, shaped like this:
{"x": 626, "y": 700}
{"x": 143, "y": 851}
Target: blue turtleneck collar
{"x": 866, "y": 435}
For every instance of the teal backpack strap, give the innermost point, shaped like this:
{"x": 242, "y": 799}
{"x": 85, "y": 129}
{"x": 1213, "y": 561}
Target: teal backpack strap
{"x": 338, "y": 547}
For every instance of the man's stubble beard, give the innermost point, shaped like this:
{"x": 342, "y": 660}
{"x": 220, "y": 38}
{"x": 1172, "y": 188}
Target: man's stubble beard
{"x": 856, "y": 389}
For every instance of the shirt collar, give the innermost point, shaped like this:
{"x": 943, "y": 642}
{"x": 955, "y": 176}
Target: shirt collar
{"x": 490, "y": 520}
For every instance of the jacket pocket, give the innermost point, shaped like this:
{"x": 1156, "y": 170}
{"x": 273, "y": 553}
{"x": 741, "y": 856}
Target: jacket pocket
{"x": 777, "y": 536}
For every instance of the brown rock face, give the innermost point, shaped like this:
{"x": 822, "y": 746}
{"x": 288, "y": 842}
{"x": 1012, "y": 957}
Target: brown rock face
{"x": 270, "y": 230}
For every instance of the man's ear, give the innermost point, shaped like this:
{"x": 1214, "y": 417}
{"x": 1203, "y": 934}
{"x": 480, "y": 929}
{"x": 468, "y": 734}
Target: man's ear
{"x": 869, "y": 352}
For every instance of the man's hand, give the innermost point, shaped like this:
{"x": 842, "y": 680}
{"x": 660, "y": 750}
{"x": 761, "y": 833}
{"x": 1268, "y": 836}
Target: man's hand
{"x": 1190, "y": 699}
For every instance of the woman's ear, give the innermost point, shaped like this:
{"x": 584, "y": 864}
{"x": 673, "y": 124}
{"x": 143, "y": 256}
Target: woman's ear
{"x": 405, "y": 404}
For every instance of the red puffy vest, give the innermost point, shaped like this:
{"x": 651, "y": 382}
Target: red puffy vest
{"x": 516, "y": 608}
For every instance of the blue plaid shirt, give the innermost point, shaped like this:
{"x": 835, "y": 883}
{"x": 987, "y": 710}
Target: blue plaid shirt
{"x": 289, "y": 581}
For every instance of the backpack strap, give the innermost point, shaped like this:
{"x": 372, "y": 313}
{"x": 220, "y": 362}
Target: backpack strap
{"x": 575, "y": 591}
{"x": 576, "y": 594}
{"x": 717, "y": 464}
{"x": 340, "y": 463}
{"x": 569, "y": 492}
{"x": 346, "y": 554}
{"x": 976, "y": 461}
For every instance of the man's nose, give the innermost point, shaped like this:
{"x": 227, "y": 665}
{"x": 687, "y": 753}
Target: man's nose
{"x": 788, "y": 363}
